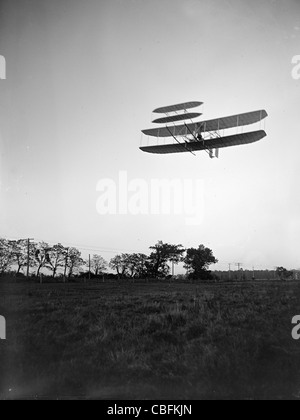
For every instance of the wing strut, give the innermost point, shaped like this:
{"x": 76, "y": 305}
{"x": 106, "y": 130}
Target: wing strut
{"x": 208, "y": 151}
{"x": 181, "y": 144}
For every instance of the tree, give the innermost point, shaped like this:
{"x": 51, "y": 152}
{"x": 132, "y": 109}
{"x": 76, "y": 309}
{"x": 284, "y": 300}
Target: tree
{"x": 197, "y": 262}
{"x": 161, "y": 255}
{"x": 130, "y": 265}
{"x": 41, "y": 256}
{"x": 73, "y": 261}
{"x": 6, "y": 255}
{"x": 136, "y": 265}
{"x": 283, "y": 273}
{"x": 20, "y": 254}
{"x": 56, "y": 258}
{"x": 98, "y": 265}
{"x": 120, "y": 265}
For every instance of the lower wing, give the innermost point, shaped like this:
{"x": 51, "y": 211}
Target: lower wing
{"x": 217, "y": 143}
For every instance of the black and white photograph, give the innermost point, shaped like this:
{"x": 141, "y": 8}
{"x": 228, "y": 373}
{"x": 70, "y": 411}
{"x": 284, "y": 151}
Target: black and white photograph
{"x": 149, "y": 202}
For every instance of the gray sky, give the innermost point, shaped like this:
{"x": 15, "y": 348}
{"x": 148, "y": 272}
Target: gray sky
{"x": 82, "y": 80}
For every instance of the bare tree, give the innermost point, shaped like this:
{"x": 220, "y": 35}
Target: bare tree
{"x": 73, "y": 261}
{"x": 120, "y": 265}
{"x": 98, "y": 265}
{"x": 20, "y": 254}
{"x": 6, "y": 255}
{"x": 41, "y": 256}
{"x": 56, "y": 258}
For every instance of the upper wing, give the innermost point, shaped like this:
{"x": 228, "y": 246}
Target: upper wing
{"x": 178, "y": 107}
{"x": 207, "y": 126}
{"x": 229, "y": 141}
{"x": 234, "y": 121}
{"x": 181, "y": 117}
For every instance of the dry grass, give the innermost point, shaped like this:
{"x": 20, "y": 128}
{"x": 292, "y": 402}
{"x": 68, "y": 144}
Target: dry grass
{"x": 144, "y": 341}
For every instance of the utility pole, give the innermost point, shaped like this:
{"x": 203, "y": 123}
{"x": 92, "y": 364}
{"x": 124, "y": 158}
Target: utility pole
{"x": 28, "y": 257}
{"x": 239, "y": 265}
{"x": 89, "y": 267}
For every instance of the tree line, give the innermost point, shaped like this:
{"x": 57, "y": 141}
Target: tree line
{"x": 23, "y": 255}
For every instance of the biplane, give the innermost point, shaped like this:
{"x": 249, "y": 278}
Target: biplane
{"x": 193, "y": 136}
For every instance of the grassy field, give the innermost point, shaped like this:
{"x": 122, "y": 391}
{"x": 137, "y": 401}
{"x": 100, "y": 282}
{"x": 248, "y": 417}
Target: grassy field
{"x": 149, "y": 341}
